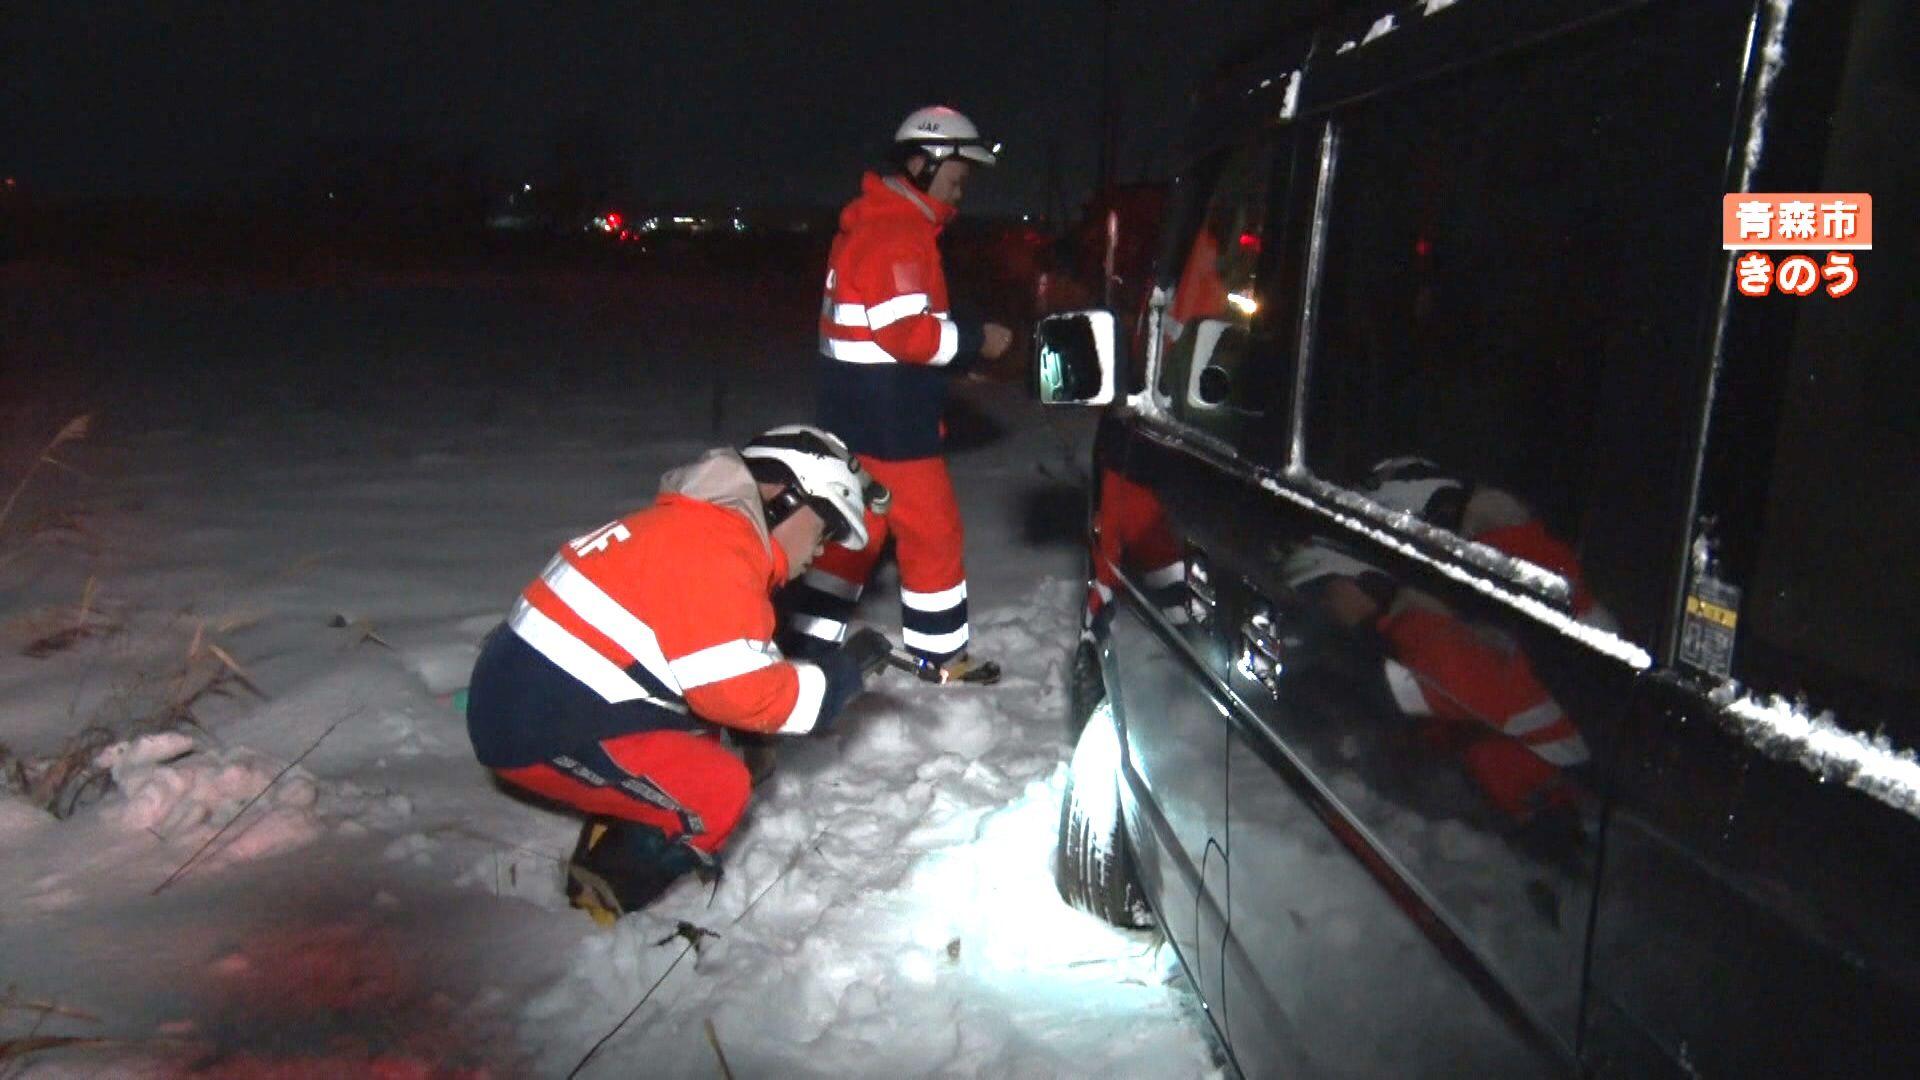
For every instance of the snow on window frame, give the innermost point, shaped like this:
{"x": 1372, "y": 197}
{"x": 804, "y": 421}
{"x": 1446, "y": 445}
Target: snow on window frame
{"x": 1790, "y": 732}
{"x": 1773, "y": 54}
{"x": 1783, "y": 730}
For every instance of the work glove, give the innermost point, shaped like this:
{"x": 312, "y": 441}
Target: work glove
{"x": 868, "y": 649}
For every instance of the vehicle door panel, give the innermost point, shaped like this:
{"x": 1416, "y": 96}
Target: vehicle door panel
{"x": 1174, "y": 744}
{"x": 1334, "y": 943}
{"x": 1757, "y": 910}
{"x": 1174, "y": 757}
{"x": 1753, "y": 920}
{"x": 1441, "y": 604}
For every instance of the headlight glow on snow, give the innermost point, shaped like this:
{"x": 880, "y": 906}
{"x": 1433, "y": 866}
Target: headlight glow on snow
{"x": 990, "y": 914}
{"x": 1096, "y": 770}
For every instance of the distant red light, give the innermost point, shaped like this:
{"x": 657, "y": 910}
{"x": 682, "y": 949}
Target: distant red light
{"x": 1250, "y": 242}
{"x": 1423, "y": 247}
{"x": 614, "y": 221}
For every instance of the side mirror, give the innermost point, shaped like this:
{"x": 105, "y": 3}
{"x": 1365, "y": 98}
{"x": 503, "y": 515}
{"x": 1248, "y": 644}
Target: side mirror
{"x": 1075, "y": 356}
{"x": 1218, "y": 348}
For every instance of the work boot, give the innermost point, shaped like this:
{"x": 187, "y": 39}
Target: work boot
{"x": 622, "y": 866}
{"x": 759, "y": 754}
{"x": 969, "y": 669}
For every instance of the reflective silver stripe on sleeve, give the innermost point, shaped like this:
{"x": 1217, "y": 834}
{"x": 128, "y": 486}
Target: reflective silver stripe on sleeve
{"x": 806, "y": 707}
{"x": 606, "y": 615}
{"x": 1533, "y": 719}
{"x": 1406, "y": 690}
{"x": 952, "y": 641}
{"x": 573, "y": 656}
{"x": 1171, "y": 574}
{"x": 831, "y": 584}
{"x": 1568, "y": 751}
{"x": 723, "y": 661}
{"x": 849, "y": 315}
{"x": 934, "y": 602}
{"x": 892, "y": 311}
{"x": 814, "y": 626}
{"x": 949, "y": 343}
{"x": 856, "y": 352}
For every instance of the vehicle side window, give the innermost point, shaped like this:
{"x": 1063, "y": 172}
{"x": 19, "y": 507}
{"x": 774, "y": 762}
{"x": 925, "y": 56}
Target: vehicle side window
{"x": 1208, "y": 376}
{"x": 1834, "y": 607}
{"x": 1503, "y": 300}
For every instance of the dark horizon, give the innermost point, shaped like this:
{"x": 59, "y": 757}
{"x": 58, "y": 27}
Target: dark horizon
{"x": 678, "y": 104}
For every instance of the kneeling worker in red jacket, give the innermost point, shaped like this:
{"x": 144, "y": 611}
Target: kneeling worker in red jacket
{"x": 608, "y": 685}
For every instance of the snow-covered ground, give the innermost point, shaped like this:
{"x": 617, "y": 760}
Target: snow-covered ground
{"x": 301, "y": 509}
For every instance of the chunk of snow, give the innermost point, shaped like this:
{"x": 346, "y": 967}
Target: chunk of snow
{"x": 143, "y": 750}
{"x": 1786, "y": 731}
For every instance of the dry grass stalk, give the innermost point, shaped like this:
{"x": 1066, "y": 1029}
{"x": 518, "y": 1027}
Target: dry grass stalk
{"x": 11, "y": 1050}
{"x": 800, "y": 853}
{"x": 71, "y": 778}
{"x": 65, "y": 781}
{"x": 51, "y": 630}
{"x": 209, "y": 669}
{"x": 33, "y": 1044}
{"x": 362, "y": 629}
{"x": 713, "y": 1040}
{"x": 47, "y": 1008}
{"x": 75, "y": 430}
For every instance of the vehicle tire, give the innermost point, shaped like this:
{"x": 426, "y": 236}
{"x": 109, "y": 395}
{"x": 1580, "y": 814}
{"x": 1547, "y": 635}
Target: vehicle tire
{"x": 1086, "y": 685}
{"x": 1092, "y": 866}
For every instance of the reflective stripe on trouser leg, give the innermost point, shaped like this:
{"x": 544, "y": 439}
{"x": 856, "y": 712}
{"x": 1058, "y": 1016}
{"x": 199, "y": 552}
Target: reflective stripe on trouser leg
{"x": 685, "y": 784}
{"x": 928, "y": 542}
{"x": 821, "y": 601}
{"x": 1513, "y": 778}
{"x": 934, "y": 625}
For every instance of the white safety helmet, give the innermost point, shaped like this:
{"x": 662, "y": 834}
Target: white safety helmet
{"x": 939, "y": 133}
{"x": 1419, "y": 487}
{"x": 814, "y": 468}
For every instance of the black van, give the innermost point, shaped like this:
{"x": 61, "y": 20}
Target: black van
{"x": 1503, "y": 631}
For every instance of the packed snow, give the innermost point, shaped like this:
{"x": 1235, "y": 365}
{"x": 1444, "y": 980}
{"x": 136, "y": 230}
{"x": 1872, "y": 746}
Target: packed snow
{"x": 245, "y": 614}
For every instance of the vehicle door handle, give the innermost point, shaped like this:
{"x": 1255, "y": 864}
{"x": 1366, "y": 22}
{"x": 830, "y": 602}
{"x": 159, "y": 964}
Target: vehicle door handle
{"x": 1201, "y": 598}
{"x": 1262, "y": 649}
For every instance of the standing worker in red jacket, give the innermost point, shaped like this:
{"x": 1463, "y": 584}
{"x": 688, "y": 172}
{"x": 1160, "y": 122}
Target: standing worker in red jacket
{"x": 889, "y": 345}
{"x": 609, "y": 685}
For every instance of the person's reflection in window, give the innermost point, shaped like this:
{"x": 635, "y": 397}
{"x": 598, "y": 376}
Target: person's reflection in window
{"x": 1134, "y": 538}
{"x": 1470, "y": 689}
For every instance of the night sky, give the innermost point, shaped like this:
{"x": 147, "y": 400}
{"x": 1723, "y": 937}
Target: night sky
{"x": 746, "y": 103}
